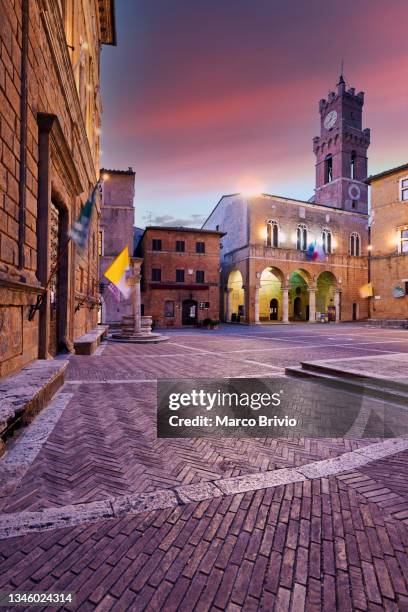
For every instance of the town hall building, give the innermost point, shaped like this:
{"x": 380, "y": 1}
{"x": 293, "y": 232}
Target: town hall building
{"x": 286, "y": 260}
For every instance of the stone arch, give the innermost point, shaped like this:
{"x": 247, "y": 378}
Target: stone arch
{"x": 299, "y": 282}
{"x": 235, "y": 296}
{"x": 270, "y": 294}
{"x": 326, "y": 286}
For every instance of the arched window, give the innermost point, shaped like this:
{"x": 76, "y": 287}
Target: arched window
{"x": 272, "y": 233}
{"x": 301, "y": 237}
{"x": 328, "y": 168}
{"x": 355, "y": 244}
{"x": 327, "y": 241}
{"x": 353, "y": 162}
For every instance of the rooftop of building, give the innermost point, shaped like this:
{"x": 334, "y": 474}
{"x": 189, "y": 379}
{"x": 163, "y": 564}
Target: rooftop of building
{"x": 129, "y": 171}
{"x": 182, "y": 228}
{"x": 309, "y": 203}
{"x": 380, "y": 175}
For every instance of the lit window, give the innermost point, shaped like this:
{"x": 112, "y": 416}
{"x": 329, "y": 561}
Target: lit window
{"x": 301, "y": 238}
{"x": 327, "y": 241}
{"x": 328, "y": 169}
{"x": 100, "y": 242}
{"x": 403, "y": 240}
{"x": 404, "y": 189}
{"x": 353, "y": 161}
{"x": 272, "y": 234}
{"x": 355, "y": 244}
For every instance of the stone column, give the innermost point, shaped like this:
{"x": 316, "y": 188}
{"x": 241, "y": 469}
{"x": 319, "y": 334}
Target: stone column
{"x": 312, "y": 305}
{"x": 256, "y": 304}
{"x": 228, "y": 304}
{"x": 285, "y": 305}
{"x": 337, "y": 304}
{"x": 136, "y": 304}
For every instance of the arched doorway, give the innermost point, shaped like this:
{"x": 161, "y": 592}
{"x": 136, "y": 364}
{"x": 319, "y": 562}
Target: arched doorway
{"x": 234, "y": 307}
{"x": 189, "y": 312}
{"x": 270, "y": 294}
{"x": 274, "y": 309}
{"x": 299, "y": 295}
{"x": 325, "y": 290}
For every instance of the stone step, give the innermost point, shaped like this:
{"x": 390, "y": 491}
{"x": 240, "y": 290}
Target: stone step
{"x": 24, "y": 394}
{"x": 364, "y": 376}
{"x": 359, "y": 385}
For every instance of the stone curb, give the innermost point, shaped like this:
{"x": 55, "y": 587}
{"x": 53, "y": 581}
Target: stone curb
{"x": 12, "y": 525}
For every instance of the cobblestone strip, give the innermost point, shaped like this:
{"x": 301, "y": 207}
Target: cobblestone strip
{"x": 27, "y": 445}
{"x": 12, "y": 525}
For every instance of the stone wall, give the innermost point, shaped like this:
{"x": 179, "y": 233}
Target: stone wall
{"x": 49, "y": 153}
{"x": 389, "y": 267}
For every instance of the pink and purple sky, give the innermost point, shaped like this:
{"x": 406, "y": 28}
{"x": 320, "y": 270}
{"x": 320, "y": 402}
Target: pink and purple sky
{"x": 208, "y": 97}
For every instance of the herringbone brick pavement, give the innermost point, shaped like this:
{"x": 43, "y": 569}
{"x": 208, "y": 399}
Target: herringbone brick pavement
{"x": 105, "y": 446}
{"x": 317, "y": 545}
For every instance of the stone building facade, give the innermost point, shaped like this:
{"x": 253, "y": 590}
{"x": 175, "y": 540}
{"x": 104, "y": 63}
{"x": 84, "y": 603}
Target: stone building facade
{"x": 180, "y": 275}
{"x": 50, "y": 112}
{"x": 288, "y": 260}
{"x": 389, "y": 242}
{"x": 116, "y": 231}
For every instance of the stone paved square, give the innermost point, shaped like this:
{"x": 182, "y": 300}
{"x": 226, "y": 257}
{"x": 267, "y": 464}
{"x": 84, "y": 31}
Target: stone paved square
{"x": 103, "y": 508}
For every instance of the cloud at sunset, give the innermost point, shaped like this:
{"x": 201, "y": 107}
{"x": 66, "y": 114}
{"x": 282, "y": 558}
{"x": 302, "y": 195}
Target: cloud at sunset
{"x": 204, "y": 97}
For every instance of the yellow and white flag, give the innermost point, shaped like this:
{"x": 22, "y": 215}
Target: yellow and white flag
{"x": 366, "y": 290}
{"x": 116, "y": 272}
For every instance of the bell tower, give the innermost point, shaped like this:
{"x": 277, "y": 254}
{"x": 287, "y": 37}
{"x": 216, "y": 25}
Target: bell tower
{"x": 341, "y": 151}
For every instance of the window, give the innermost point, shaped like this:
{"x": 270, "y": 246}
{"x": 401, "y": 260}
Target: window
{"x": 327, "y": 241}
{"x": 156, "y": 274}
{"x": 200, "y": 247}
{"x": 354, "y": 204}
{"x": 180, "y": 276}
{"x": 199, "y": 276}
{"x": 100, "y": 242}
{"x": 301, "y": 238}
{"x": 403, "y": 240}
{"x": 180, "y": 246}
{"x": 404, "y": 189}
{"x": 355, "y": 244}
{"x": 156, "y": 244}
{"x": 168, "y": 308}
{"x": 272, "y": 234}
{"x": 328, "y": 169}
{"x": 353, "y": 166}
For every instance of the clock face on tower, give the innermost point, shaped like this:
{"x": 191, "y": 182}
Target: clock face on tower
{"x": 330, "y": 120}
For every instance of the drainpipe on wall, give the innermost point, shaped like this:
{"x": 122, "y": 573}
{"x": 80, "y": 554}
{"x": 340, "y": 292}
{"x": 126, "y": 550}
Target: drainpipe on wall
{"x": 23, "y": 135}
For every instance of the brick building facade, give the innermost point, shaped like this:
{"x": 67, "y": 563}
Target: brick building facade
{"x": 389, "y": 242}
{"x": 50, "y": 113}
{"x": 268, "y": 273}
{"x": 180, "y": 275}
{"x": 115, "y": 233}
